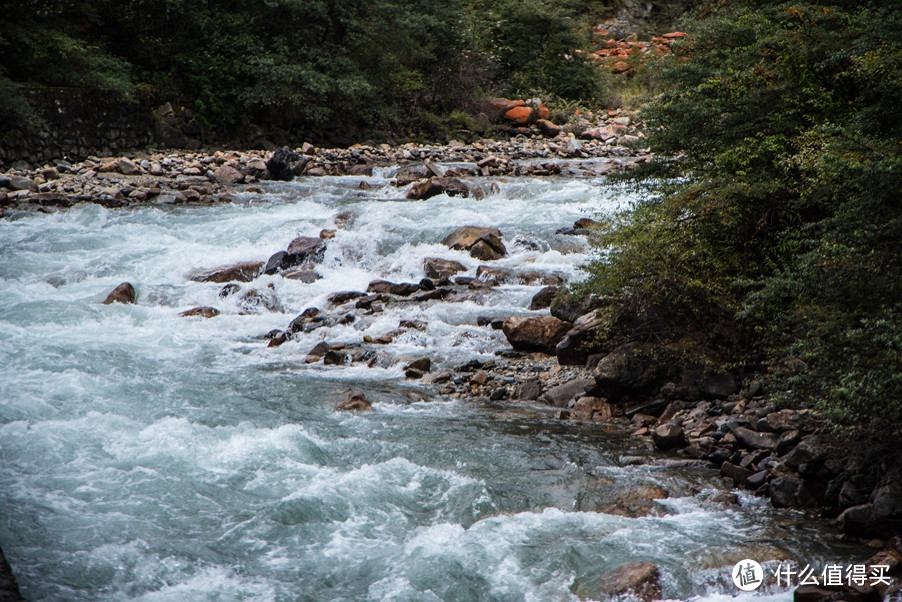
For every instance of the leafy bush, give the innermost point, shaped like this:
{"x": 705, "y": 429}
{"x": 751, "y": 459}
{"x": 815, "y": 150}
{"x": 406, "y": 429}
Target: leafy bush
{"x": 783, "y": 207}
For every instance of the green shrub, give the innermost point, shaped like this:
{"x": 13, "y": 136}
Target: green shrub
{"x": 783, "y": 209}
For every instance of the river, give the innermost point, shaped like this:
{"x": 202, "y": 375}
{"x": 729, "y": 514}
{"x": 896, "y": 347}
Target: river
{"x": 147, "y": 456}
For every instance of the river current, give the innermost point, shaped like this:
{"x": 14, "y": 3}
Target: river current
{"x": 147, "y": 456}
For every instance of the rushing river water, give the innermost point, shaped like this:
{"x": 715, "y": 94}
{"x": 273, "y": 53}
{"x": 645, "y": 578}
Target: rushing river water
{"x": 151, "y": 457}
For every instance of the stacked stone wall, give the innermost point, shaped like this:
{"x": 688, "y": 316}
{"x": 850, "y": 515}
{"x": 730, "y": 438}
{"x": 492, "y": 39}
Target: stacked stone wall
{"x": 78, "y": 123}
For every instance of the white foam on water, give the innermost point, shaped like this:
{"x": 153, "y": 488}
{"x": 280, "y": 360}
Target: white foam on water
{"x": 153, "y": 457}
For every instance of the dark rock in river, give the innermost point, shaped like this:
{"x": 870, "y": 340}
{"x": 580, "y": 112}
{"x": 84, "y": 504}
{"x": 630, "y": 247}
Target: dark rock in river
{"x": 239, "y": 272}
{"x": 403, "y": 289}
{"x": 569, "y": 309}
{"x": 417, "y": 368}
{"x": 9, "y": 589}
{"x": 354, "y": 401}
{"x": 438, "y": 268}
{"x": 792, "y": 492}
{"x": 204, "y": 312}
{"x": 426, "y": 189}
{"x": 482, "y": 243}
{"x": 285, "y": 164}
{"x": 305, "y": 276}
{"x": 534, "y": 333}
{"x": 543, "y": 298}
{"x": 302, "y": 250}
{"x": 124, "y": 293}
{"x": 342, "y": 297}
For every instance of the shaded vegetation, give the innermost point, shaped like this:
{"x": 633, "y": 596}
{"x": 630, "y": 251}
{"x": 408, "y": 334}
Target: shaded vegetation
{"x": 779, "y": 214}
{"x": 328, "y": 65}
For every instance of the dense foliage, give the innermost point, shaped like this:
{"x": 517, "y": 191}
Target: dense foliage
{"x": 780, "y": 208}
{"x": 321, "y": 64}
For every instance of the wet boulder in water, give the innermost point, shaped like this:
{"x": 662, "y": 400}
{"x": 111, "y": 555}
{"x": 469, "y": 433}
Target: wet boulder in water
{"x": 285, "y": 164}
{"x": 124, "y": 293}
{"x": 303, "y": 250}
{"x": 239, "y": 272}
{"x": 543, "y": 298}
{"x": 203, "y": 311}
{"x": 308, "y": 316}
{"x": 438, "y": 268}
{"x": 426, "y": 189}
{"x": 481, "y": 242}
{"x": 278, "y": 261}
{"x": 307, "y": 248}
{"x": 639, "y": 579}
{"x": 335, "y": 357}
{"x": 402, "y": 289}
{"x": 305, "y": 276}
{"x": 342, "y": 297}
{"x": 635, "y": 501}
{"x": 534, "y": 333}
{"x": 354, "y": 401}
{"x": 417, "y": 368}
{"x": 318, "y": 352}
{"x": 883, "y": 514}
{"x": 410, "y": 174}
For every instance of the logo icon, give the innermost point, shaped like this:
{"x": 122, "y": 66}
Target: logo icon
{"x": 748, "y": 575}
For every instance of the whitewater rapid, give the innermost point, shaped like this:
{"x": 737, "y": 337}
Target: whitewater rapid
{"x": 147, "y": 456}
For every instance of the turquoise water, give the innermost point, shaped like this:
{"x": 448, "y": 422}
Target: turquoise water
{"x": 144, "y": 456}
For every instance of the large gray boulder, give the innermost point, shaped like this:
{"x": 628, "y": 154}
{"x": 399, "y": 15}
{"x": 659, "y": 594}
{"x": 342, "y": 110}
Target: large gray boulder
{"x": 561, "y": 395}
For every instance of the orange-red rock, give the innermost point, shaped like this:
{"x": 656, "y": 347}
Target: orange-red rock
{"x": 519, "y": 115}
{"x": 543, "y": 112}
{"x": 674, "y": 35}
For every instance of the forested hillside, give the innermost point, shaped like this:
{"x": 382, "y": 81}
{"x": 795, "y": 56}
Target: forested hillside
{"x": 386, "y": 65}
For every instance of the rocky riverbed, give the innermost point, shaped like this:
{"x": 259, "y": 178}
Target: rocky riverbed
{"x": 587, "y": 149}
{"x": 543, "y": 357}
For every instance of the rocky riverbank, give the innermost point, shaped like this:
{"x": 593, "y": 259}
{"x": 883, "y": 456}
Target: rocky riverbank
{"x": 536, "y": 147}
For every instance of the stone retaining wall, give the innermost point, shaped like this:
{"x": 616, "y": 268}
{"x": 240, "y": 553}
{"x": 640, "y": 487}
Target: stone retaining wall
{"x": 78, "y": 123}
